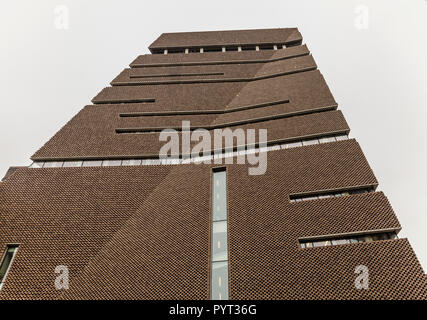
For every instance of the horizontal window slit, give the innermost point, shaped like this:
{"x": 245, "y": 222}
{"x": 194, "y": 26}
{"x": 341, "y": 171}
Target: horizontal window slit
{"x": 148, "y": 160}
{"x": 266, "y": 47}
{"x": 217, "y": 126}
{"x": 212, "y": 49}
{"x": 346, "y": 239}
{"x": 213, "y": 80}
{"x": 6, "y": 262}
{"x": 124, "y": 101}
{"x": 195, "y": 112}
{"x": 219, "y": 62}
{"x": 177, "y": 75}
{"x": 330, "y": 194}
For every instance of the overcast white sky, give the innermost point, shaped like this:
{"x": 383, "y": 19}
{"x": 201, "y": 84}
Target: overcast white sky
{"x": 377, "y": 75}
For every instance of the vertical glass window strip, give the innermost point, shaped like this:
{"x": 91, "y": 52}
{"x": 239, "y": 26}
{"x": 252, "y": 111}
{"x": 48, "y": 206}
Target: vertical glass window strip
{"x": 6, "y": 262}
{"x": 219, "y": 242}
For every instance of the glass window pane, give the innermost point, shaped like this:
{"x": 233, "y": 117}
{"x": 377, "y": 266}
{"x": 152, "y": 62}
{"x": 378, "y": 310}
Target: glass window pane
{"x": 6, "y": 261}
{"x": 327, "y": 139}
{"x": 111, "y": 163}
{"x": 37, "y": 165}
{"x": 310, "y": 198}
{"x": 53, "y": 164}
{"x": 318, "y": 243}
{"x": 72, "y": 164}
{"x": 343, "y": 137}
{"x": 310, "y": 142}
{"x": 219, "y": 201}
{"x": 368, "y": 238}
{"x": 294, "y": 144}
{"x": 361, "y": 239}
{"x": 340, "y": 241}
{"x": 91, "y": 163}
{"x": 219, "y": 281}
{"x": 219, "y": 250}
{"x": 376, "y": 237}
{"x": 131, "y": 162}
{"x": 392, "y": 235}
{"x": 219, "y": 241}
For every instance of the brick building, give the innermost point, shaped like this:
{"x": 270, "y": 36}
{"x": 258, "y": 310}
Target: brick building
{"x": 128, "y": 225}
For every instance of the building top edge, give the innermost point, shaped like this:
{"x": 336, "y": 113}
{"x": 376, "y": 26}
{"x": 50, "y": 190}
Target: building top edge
{"x": 226, "y": 38}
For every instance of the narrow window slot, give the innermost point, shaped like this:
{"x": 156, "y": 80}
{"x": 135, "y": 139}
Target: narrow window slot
{"x": 176, "y": 75}
{"x": 330, "y": 194}
{"x": 219, "y": 111}
{"x": 6, "y": 262}
{"x": 124, "y": 101}
{"x": 347, "y": 239}
{"x": 213, "y": 49}
{"x": 219, "y": 238}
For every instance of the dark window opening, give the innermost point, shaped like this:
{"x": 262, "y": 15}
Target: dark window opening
{"x": 213, "y": 49}
{"x": 177, "y": 50}
{"x": 248, "y": 48}
{"x": 176, "y": 75}
{"x": 231, "y": 48}
{"x": 266, "y": 47}
{"x": 6, "y": 262}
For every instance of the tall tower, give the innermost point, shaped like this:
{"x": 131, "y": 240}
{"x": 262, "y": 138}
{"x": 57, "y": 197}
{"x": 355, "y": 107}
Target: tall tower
{"x": 99, "y": 215}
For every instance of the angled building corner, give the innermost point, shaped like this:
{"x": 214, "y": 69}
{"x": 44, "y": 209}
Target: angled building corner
{"x": 128, "y": 225}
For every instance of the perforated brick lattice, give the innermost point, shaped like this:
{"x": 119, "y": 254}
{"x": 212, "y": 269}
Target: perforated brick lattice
{"x": 143, "y": 232}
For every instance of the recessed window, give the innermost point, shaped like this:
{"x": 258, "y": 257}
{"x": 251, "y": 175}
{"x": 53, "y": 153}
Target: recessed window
{"x": 111, "y": 163}
{"x": 310, "y": 142}
{"x": 213, "y": 49}
{"x": 341, "y": 138}
{"x": 347, "y": 239}
{"x": 329, "y": 194}
{"x": 6, "y": 262}
{"x": 37, "y": 164}
{"x": 232, "y": 48}
{"x": 248, "y": 48}
{"x": 327, "y": 139}
{"x": 92, "y": 163}
{"x": 294, "y": 144}
{"x": 175, "y": 50}
{"x": 72, "y": 164}
{"x": 131, "y": 162}
{"x": 219, "y": 241}
{"x": 266, "y": 47}
{"x": 53, "y": 164}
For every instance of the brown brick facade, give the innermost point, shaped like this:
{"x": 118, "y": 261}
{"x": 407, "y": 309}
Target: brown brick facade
{"x": 143, "y": 232}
